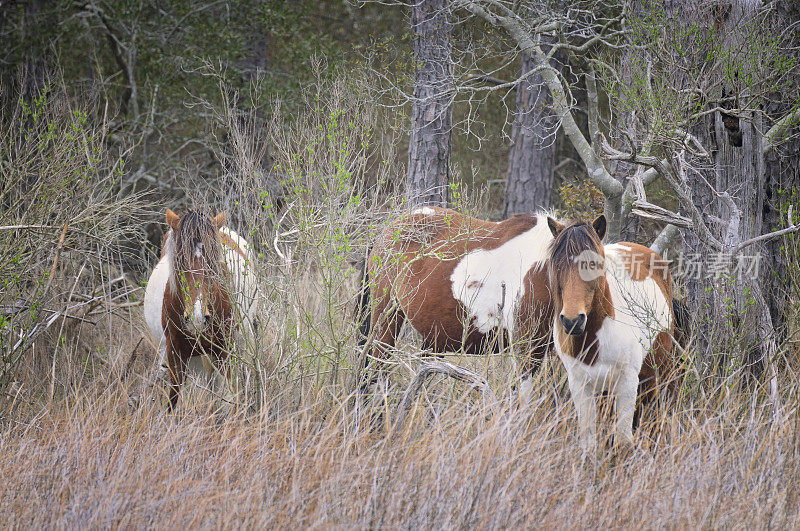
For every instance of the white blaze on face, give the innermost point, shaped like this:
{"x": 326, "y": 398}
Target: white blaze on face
{"x": 197, "y": 315}
{"x": 489, "y": 282}
{"x": 425, "y": 211}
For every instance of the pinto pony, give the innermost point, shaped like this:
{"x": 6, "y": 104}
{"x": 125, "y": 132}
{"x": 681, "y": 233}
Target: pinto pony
{"x": 463, "y": 283}
{"x": 613, "y": 324}
{"x": 199, "y": 293}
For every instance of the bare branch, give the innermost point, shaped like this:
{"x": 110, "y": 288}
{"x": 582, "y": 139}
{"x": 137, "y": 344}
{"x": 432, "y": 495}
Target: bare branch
{"x": 779, "y": 131}
{"x": 448, "y": 369}
{"x": 651, "y": 211}
{"x": 771, "y": 235}
{"x": 491, "y": 80}
{"x": 665, "y": 239}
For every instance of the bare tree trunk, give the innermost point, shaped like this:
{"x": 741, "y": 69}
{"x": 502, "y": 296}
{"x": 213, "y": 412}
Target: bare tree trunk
{"x": 429, "y": 146}
{"x": 782, "y": 177}
{"x": 531, "y": 160}
{"x": 739, "y": 315}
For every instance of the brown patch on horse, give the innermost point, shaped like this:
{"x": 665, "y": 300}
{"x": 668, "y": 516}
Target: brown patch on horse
{"x": 642, "y": 262}
{"x": 535, "y": 321}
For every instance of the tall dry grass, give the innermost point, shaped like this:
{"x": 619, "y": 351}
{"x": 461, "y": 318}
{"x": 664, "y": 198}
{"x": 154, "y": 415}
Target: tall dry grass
{"x": 289, "y": 450}
{"x": 92, "y": 460}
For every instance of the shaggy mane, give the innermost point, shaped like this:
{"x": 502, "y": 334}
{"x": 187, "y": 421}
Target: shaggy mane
{"x": 575, "y": 238}
{"x": 196, "y": 226}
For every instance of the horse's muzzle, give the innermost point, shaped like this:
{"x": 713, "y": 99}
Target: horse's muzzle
{"x": 196, "y": 326}
{"x": 573, "y": 327}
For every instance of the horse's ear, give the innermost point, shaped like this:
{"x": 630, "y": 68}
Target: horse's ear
{"x": 219, "y": 219}
{"x": 172, "y": 220}
{"x": 555, "y": 226}
{"x": 599, "y": 225}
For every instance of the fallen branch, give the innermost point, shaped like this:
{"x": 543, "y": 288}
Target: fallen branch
{"x": 461, "y": 374}
{"x": 780, "y": 131}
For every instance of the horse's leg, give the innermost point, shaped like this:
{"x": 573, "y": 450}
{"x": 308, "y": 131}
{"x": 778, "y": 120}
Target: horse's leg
{"x": 530, "y": 366}
{"x": 177, "y": 370}
{"x": 625, "y": 405}
{"x": 586, "y": 406}
{"x": 654, "y": 378}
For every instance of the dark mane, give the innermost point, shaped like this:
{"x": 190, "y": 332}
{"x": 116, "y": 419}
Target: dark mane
{"x": 575, "y": 238}
{"x": 196, "y": 226}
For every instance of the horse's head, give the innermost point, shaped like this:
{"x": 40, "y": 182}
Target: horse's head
{"x": 198, "y": 266}
{"x": 576, "y": 270}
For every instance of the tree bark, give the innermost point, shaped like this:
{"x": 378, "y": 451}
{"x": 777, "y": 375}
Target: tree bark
{"x": 736, "y": 308}
{"x": 531, "y": 161}
{"x": 782, "y": 176}
{"x": 429, "y": 146}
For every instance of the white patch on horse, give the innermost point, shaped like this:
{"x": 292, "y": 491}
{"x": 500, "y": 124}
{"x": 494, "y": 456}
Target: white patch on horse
{"x": 425, "y": 211}
{"x": 243, "y": 244}
{"x": 198, "y": 250}
{"x": 245, "y": 288}
{"x": 479, "y": 278}
{"x": 154, "y": 293}
{"x": 197, "y": 318}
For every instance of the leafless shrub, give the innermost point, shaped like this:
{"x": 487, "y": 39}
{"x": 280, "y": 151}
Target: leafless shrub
{"x": 64, "y": 231}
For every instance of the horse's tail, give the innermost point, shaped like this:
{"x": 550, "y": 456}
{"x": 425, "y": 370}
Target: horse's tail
{"x": 363, "y": 309}
{"x": 683, "y": 327}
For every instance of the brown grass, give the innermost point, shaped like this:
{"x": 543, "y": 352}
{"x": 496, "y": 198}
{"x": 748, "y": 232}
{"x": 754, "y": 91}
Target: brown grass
{"x": 93, "y": 459}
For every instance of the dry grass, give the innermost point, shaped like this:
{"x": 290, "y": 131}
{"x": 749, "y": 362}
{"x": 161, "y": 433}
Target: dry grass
{"x": 92, "y": 459}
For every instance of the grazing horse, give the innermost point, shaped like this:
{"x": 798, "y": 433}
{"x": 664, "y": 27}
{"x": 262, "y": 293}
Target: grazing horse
{"x": 462, "y": 283}
{"x": 613, "y": 323}
{"x": 199, "y": 294}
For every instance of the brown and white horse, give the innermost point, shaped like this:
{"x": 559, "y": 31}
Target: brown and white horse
{"x": 613, "y": 324}
{"x": 462, "y": 283}
{"x": 199, "y": 294}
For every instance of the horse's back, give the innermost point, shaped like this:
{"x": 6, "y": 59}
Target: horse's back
{"x": 647, "y": 303}
{"x": 643, "y": 262}
{"x": 445, "y": 234}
